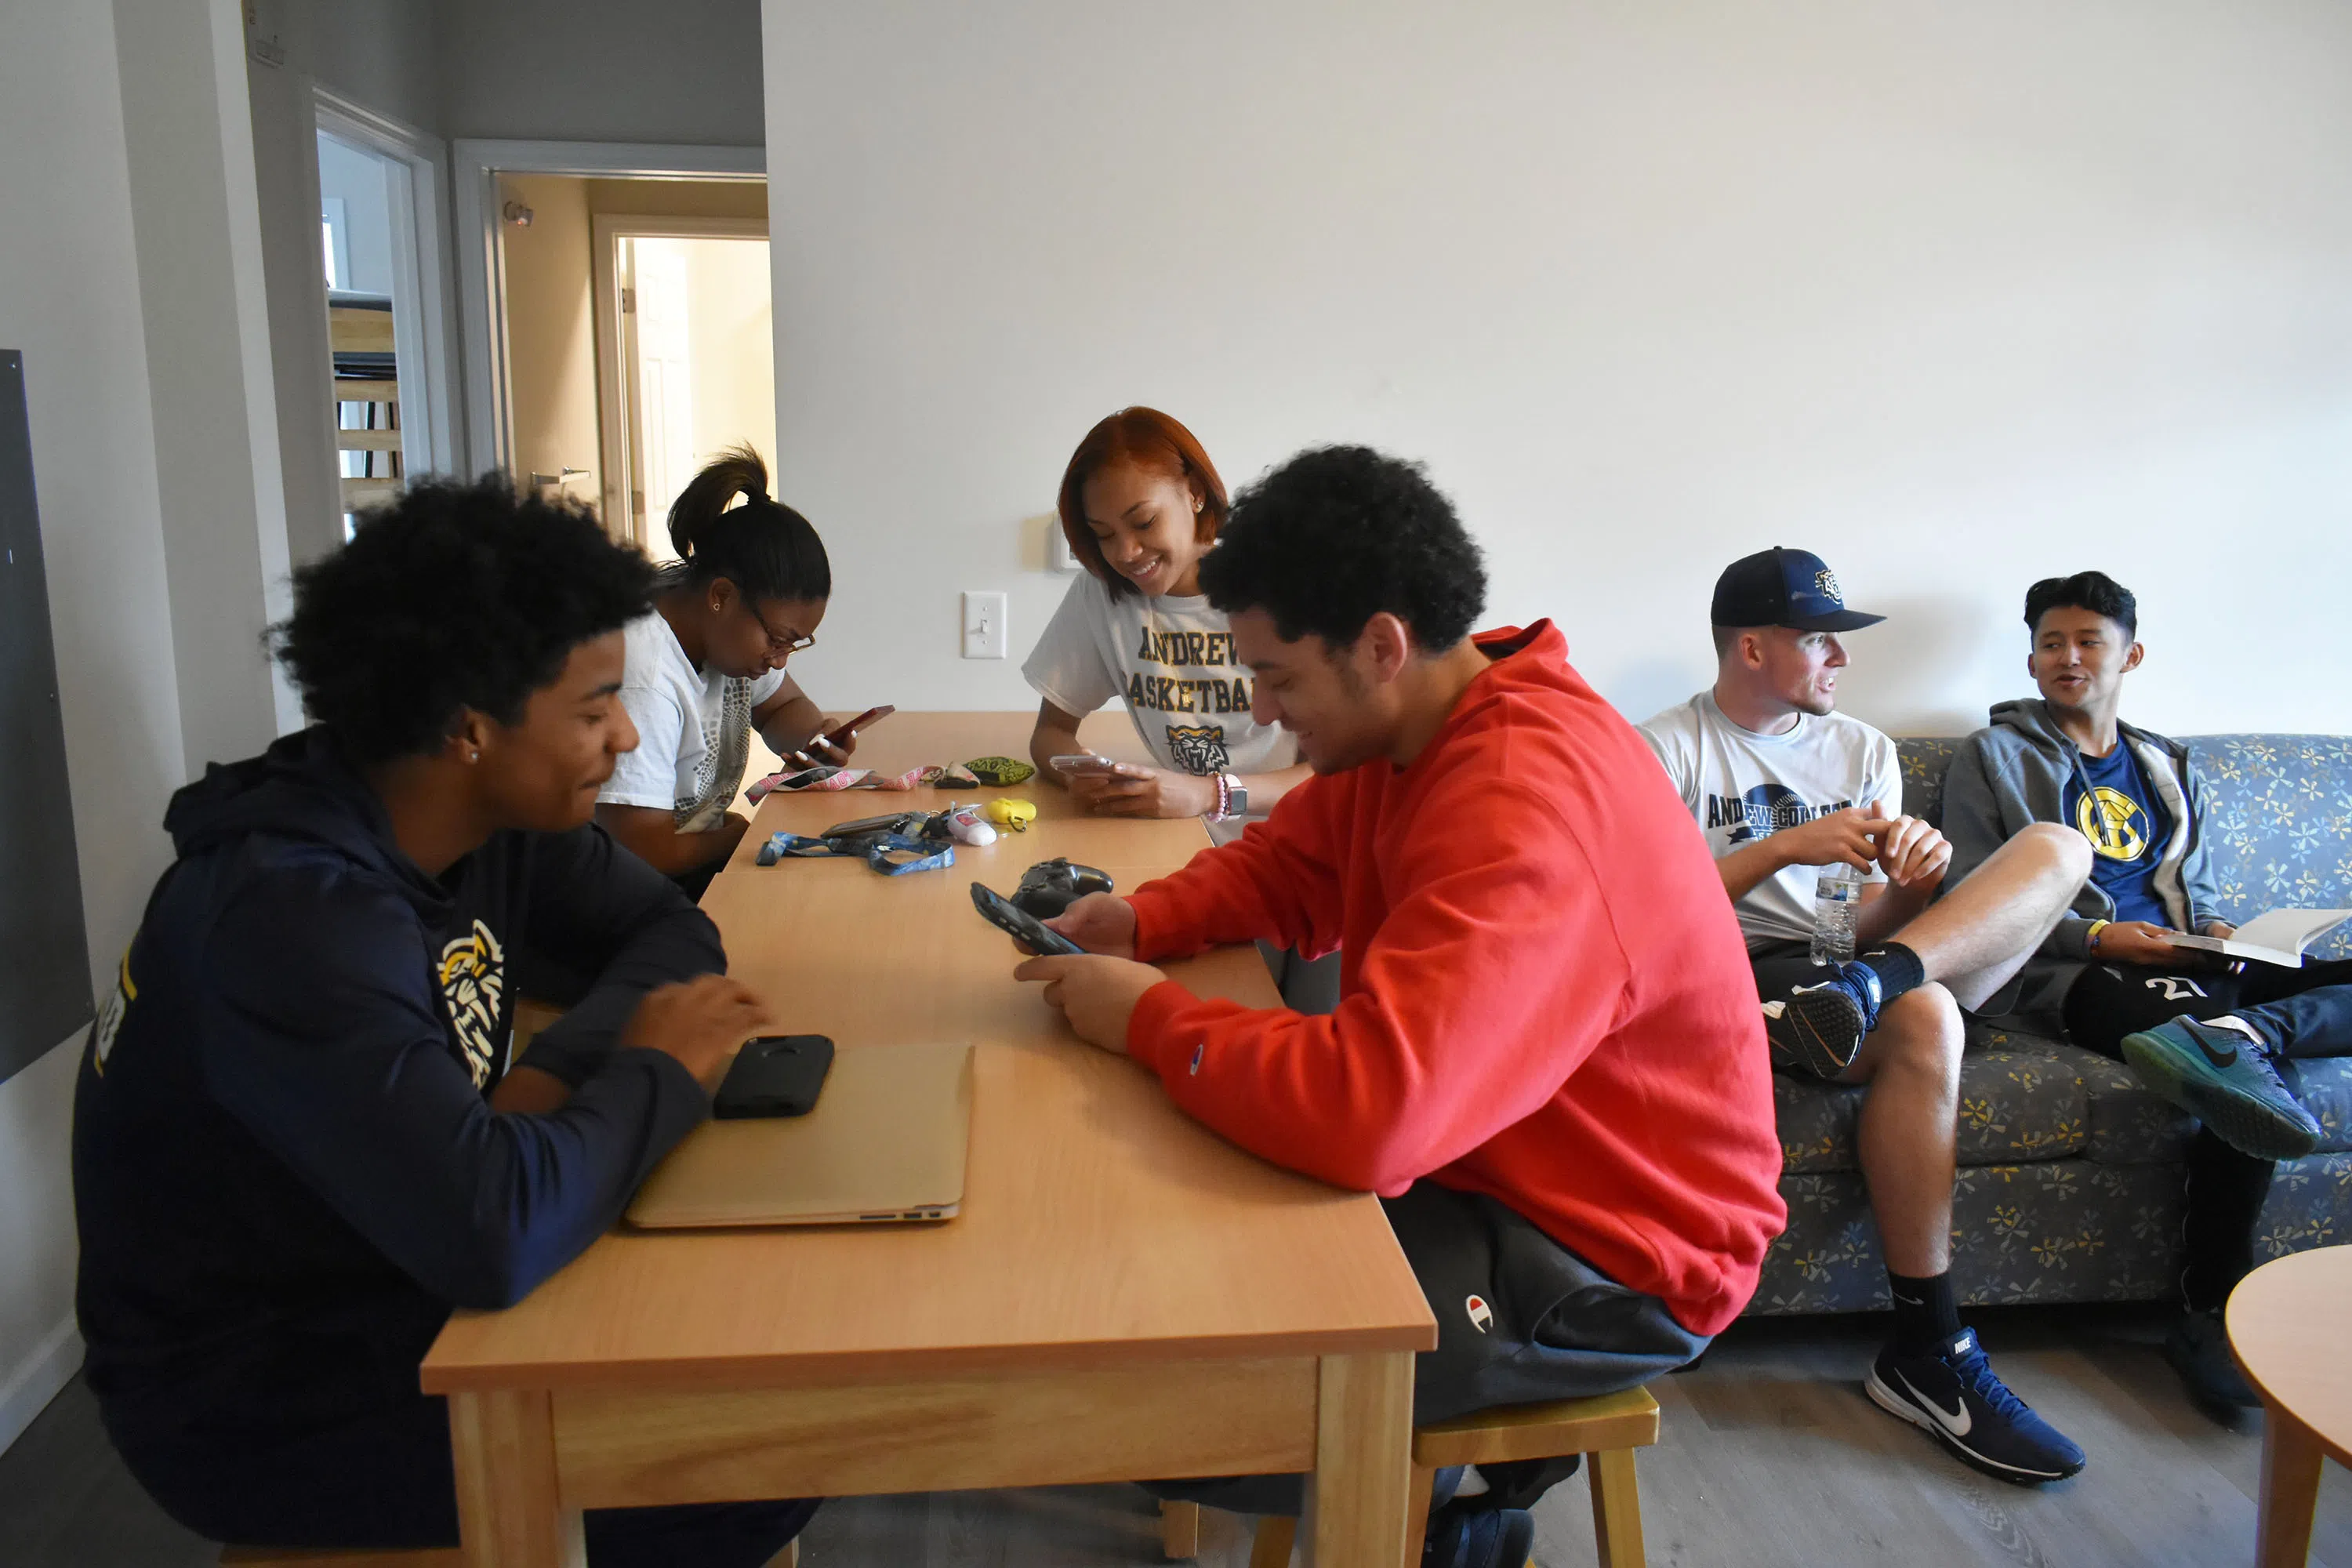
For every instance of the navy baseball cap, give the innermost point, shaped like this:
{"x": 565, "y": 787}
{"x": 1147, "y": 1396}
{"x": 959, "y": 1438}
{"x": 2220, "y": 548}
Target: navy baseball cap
{"x": 1779, "y": 587}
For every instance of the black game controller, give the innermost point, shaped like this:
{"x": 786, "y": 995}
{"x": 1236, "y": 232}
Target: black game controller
{"x": 1052, "y": 885}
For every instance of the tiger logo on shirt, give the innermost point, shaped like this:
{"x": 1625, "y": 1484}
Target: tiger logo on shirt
{"x": 1199, "y": 748}
{"x": 473, "y": 987}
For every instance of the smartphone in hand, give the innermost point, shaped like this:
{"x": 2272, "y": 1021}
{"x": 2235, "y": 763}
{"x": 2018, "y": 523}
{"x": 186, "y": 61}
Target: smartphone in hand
{"x": 1086, "y": 764}
{"x": 1021, "y": 925}
{"x": 871, "y": 716}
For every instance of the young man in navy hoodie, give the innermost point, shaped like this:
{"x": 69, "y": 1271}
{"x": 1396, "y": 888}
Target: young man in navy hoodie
{"x": 299, "y": 1138}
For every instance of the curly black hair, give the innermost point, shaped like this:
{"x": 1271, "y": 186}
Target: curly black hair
{"x": 2093, "y": 591}
{"x": 454, "y": 597}
{"x": 1338, "y": 534}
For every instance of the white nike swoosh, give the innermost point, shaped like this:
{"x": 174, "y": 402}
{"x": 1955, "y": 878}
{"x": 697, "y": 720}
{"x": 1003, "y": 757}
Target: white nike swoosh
{"x": 1957, "y": 1422}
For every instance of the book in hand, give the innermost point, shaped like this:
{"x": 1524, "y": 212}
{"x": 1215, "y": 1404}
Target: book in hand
{"x": 2278, "y": 936}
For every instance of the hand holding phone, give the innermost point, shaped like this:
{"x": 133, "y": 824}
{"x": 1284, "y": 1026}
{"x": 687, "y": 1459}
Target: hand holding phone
{"x": 849, "y": 732}
{"x": 1021, "y": 925}
{"x": 1086, "y": 764}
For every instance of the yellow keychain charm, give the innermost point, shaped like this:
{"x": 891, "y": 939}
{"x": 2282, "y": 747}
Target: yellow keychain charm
{"x": 1007, "y": 812}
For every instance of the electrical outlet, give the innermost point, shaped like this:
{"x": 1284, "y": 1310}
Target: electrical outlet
{"x": 984, "y": 626}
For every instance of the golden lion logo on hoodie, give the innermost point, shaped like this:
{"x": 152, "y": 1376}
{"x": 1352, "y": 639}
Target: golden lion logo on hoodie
{"x": 473, "y": 985}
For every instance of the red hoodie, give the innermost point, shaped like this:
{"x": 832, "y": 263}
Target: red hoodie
{"x": 1544, "y": 994}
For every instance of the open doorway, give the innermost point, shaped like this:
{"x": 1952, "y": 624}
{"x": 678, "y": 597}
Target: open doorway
{"x": 687, "y": 367}
{"x": 616, "y": 325}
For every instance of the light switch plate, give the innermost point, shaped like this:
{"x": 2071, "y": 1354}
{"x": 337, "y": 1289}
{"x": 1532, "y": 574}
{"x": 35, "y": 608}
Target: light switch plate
{"x": 984, "y": 626}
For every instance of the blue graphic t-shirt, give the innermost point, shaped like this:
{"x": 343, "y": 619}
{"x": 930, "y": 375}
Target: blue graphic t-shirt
{"x": 2110, "y": 804}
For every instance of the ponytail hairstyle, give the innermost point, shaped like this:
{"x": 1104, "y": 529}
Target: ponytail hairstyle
{"x": 763, "y": 547}
{"x": 1149, "y": 439}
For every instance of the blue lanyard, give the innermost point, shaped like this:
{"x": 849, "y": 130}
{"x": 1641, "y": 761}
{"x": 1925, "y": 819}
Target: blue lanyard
{"x": 891, "y": 854}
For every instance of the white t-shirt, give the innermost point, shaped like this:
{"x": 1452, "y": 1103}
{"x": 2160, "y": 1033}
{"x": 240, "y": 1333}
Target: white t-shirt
{"x": 1742, "y": 786}
{"x": 1172, "y": 660}
{"x": 694, "y": 729}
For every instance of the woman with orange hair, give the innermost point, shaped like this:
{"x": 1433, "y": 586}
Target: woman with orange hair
{"x": 1140, "y": 504}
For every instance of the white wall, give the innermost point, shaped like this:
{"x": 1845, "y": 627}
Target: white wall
{"x": 69, "y": 298}
{"x": 197, "y": 225}
{"x": 1956, "y": 295}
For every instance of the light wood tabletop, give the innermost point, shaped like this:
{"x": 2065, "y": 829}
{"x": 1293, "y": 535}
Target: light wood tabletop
{"x": 1124, "y": 1296}
{"x": 2286, "y": 1330}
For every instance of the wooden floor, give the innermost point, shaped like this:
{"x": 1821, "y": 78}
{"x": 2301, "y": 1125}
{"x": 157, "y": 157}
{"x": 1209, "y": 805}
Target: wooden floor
{"x": 1772, "y": 1455}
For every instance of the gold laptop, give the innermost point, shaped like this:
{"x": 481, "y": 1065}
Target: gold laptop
{"x": 886, "y": 1143}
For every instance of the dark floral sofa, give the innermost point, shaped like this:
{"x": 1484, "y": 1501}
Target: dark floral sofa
{"x": 2069, "y": 1187}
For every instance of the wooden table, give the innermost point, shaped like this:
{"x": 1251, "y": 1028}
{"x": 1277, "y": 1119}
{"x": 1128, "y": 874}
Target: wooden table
{"x": 1124, "y": 1295}
{"x": 2286, "y": 1330}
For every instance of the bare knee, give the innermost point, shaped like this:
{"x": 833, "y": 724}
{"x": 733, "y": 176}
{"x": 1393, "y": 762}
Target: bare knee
{"x": 1919, "y": 1034}
{"x": 2066, "y": 852}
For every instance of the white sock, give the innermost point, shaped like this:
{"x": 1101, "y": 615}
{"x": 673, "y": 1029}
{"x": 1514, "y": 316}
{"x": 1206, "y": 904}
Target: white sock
{"x": 1472, "y": 1483}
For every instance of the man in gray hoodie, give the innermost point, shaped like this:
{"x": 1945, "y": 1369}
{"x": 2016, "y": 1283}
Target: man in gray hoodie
{"x": 2207, "y": 1035}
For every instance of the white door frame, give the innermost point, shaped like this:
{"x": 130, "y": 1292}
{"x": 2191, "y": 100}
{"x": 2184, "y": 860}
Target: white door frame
{"x": 478, "y": 164}
{"x": 422, "y": 324}
{"x": 615, "y": 330}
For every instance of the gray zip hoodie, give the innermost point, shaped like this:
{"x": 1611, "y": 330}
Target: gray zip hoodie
{"x": 2015, "y": 772}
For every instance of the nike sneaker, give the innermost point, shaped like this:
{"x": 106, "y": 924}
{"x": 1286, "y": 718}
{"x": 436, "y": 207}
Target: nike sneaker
{"x": 1494, "y": 1537}
{"x": 1954, "y": 1397}
{"x": 2225, "y": 1079}
{"x": 2199, "y": 1349}
{"x": 1819, "y": 1028}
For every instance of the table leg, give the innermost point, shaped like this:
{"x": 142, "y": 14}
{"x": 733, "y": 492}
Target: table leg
{"x": 1356, "y": 1503}
{"x": 510, "y": 1514}
{"x": 2291, "y": 1460}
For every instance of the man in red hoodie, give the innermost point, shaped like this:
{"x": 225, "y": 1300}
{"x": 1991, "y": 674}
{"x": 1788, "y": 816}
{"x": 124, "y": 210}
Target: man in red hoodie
{"x": 1547, "y": 1056}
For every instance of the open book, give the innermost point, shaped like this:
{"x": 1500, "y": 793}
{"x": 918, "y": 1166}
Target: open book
{"x": 2278, "y": 936}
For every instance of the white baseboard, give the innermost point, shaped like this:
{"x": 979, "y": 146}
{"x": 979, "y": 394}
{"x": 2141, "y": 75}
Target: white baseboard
{"x": 28, "y": 1387}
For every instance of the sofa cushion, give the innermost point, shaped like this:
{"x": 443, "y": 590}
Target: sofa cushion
{"x": 2128, "y": 1125}
{"x": 2057, "y": 1230}
{"x": 2015, "y": 1104}
{"x": 2280, "y": 834}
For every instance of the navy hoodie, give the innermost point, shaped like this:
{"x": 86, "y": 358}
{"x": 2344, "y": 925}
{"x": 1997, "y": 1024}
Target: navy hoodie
{"x": 285, "y": 1170}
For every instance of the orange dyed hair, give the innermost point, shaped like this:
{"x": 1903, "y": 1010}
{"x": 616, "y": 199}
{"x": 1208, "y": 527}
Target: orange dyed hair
{"x": 1149, "y": 439}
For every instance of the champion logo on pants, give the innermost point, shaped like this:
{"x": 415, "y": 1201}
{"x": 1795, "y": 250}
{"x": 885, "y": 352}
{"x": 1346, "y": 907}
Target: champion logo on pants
{"x": 1482, "y": 1317}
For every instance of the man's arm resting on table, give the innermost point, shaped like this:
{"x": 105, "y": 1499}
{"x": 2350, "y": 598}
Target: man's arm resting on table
{"x": 651, "y": 833}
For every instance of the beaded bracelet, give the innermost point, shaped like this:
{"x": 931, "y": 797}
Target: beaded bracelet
{"x": 1225, "y": 799}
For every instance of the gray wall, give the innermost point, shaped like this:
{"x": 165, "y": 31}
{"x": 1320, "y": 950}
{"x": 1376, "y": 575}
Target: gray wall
{"x": 601, "y": 70}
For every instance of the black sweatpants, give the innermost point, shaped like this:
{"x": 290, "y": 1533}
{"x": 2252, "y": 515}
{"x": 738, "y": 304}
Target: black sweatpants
{"x": 386, "y": 1481}
{"x": 2304, "y": 1012}
{"x": 1520, "y": 1320}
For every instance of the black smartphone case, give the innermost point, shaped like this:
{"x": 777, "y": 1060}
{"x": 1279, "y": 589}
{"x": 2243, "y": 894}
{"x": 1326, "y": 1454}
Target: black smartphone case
{"x": 1020, "y": 924}
{"x": 774, "y": 1075}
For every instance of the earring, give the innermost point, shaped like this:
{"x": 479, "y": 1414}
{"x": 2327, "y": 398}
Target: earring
{"x": 473, "y": 753}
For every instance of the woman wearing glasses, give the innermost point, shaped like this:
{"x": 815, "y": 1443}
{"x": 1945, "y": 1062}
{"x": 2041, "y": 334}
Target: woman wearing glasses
{"x": 707, "y": 668}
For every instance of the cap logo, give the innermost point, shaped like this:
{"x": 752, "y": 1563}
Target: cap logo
{"x": 1825, "y": 582}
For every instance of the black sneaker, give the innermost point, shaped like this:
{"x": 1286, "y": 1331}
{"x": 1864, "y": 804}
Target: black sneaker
{"x": 1954, "y": 1397}
{"x": 2199, "y": 1349}
{"x": 2226, "y": 1081}
{"x": 1820, "y": 1027}
{"x": 1494, "y": 1537}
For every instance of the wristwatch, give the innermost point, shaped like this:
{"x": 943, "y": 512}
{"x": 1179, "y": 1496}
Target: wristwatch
{"x": 1236, "y": 799}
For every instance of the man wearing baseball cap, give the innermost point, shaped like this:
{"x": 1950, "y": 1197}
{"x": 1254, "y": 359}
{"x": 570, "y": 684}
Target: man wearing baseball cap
{"x": 1786, "y": 787}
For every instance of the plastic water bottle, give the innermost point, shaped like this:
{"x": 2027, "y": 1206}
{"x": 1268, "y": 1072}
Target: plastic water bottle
{"x": 1837, "y": 899}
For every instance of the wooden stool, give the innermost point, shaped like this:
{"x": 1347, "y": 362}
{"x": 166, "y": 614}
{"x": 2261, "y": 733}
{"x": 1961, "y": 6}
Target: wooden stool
{"x": 1605, "y": 1430}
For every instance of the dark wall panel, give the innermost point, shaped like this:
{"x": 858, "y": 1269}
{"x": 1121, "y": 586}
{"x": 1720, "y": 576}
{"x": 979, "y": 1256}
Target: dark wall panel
{"x": 44, "y": 961}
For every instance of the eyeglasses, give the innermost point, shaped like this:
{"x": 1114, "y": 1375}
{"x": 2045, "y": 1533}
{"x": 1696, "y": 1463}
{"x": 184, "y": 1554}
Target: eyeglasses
{"x": 783, "y": 644}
